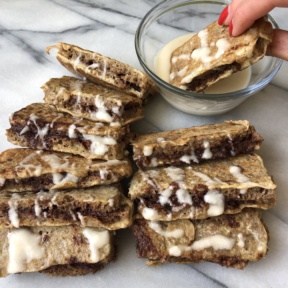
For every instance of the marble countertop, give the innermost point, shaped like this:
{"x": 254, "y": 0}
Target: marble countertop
{"x": 108, "y": 27}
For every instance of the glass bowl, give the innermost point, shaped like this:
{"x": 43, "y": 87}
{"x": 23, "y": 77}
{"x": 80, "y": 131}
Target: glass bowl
{"x": 173, "y": 18}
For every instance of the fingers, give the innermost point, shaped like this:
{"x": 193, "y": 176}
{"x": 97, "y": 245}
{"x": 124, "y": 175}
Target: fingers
{"x": 279, "y": 45}
{"x": 243, "y": 13}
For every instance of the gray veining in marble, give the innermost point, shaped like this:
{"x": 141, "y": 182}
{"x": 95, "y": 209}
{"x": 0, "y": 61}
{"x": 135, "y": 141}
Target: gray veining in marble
{"x": 108, "y": 27}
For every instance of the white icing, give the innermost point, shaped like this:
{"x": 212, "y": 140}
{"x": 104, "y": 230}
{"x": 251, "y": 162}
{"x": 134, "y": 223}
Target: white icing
{"x": 176, "y": 233}
{"x": 71, "y": 131}
{"x": 99, "y": 144}
{"x": 217, "y": 242}
{"x": 41, "y": 132}
{"x": 147, "y": 150}
{"x": 150, "y": 214}
{"x": 56, "y": 162}
{"x": 103, "y": 173}
{"x": 207, "y": 152}
{"x": 2, "y": 181}
{"x": 222, "y": 45}
{"x": 31, "y": 169}
{"x": 97, "y": 240}
{"x": 24, "y": 130}
{"x": 183, "y": 196}
{"x": 111, "y": 202}
{"x": 24, "y": 246}
{"x": 216, "y": 202}
{"x": 76, "y": 62}
{"x": 240, "y": 240}
{"x": 208, "y": 181}
{"x": 58, "y": 178}
{"x": 102, "y": 111}
{"x": 13, "y": 210}
{"x": 160, "y": 140}
{"x": 236, "y": 172}
{"x": 164, "y": 196}
{"x": 82, "y": 219}
{"x": 187, "y": 158}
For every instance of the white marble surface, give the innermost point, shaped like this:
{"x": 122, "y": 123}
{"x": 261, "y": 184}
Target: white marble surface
{"x": 108, "y": 26}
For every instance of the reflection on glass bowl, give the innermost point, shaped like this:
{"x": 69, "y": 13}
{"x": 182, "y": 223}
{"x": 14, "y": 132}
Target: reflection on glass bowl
{"x": 174, "y": 18}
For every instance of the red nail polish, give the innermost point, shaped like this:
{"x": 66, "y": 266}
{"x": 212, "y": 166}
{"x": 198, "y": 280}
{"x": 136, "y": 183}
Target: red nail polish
{"x": 223, "y": 15}
{"x": 231, "y": 28}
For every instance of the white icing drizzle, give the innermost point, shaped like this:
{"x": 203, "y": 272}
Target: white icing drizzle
{"x": 102, "y": 111}
{"x": 24, "y": 246}
{"x": 176, "y": 233}
{"x": 232, "y": 146}
{"x": 164, "y": 196}
{"x": 24, "y": 130}
{"x": 160, "y": 140}
{"x": 73, "y": 215}
{"x": 41, "y": 132}
{"x": 60, "y": 92}
{"x": 103, "y": 173}
{"x": 216, "y": 202}
{"x": 97, "y": 240}
{"x": 207, "y": 154}
{"x": 222, "y": 45}
{"x": 56, "y": 162}
{"x": 2, "y": 181}
{"x": 208, "y": 181}
{"x": 13, "y": 210}
{"x": 71, "y": 131}
{"x": 187, "y": 158}
{"x": 77, "y": 61}
{"x": 147, "y": 150}
{"x": 217, "y": 242}
{"x": 99, "y": 145}
{"x": 150, "y": 214}
{"x": 240, "y": 240}
{"x": 111, "y": 202}
{"x": 82, "y": 219}
{"x": 30, "y": 168}
{"x": 58, "y": 178}
{"x": 177, "y": 175}
{"x": 236, "y": 172}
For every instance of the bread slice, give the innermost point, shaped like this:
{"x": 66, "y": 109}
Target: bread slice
{"x": 103, "y": 70}
{"x": 32, "y": 249}
{"x": 205, "y": 190}
{"x": 24, "y": 169}
{"x": 40, "y": 126}
{"x": 100, "y": 206}
{"x": 93, "y": 102}
{"x": 195, "y": 144}
{"x": 212, "y": 54}
{"x": 229, "y": 240}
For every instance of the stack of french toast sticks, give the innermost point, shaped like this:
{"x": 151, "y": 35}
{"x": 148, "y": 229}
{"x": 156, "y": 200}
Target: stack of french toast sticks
{"x": 199, "y": 192}
{"x": 61, "y": 197}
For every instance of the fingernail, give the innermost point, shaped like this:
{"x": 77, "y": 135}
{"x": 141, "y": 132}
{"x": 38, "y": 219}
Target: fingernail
{"x": 223, "y": 15}
{"x": 231, "y": 28}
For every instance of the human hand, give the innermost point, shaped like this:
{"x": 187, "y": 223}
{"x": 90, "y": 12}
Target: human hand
{"x": 241, "y": 14}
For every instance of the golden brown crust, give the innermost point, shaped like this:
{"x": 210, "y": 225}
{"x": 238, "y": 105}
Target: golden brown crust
{"x": 94, "y": 102}
{"x": 188, "y": 145}
{"x": 190, "y": 192}
{"x": 103, "y": 70}
{"x": 23, "y": 169}
{"x": 229, "y": 56}
{"x": 58, "y": 246}
{"x": 40, "y": 126}
{"x": 245, "y": 234}
{"x": 102, "y": 206}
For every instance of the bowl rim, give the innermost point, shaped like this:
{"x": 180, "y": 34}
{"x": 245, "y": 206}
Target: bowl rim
{"x": 247, "y": 91}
